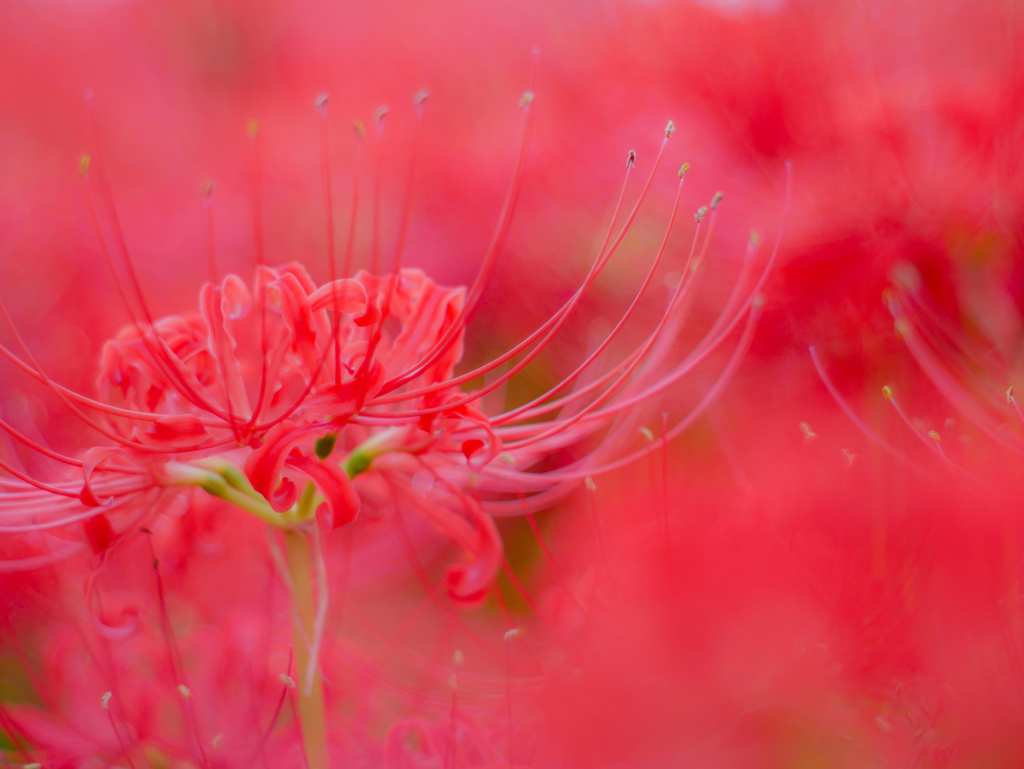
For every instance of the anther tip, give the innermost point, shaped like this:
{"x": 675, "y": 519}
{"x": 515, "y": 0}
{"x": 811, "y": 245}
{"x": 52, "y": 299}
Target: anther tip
{"x": 631, "y": 159}
{"x": 670, "y": 129}
{"x": 589, "y": 483}
{"x": 1009, "y": 394}
{"x": 512, "y": 633}
{"x": 527, "y": 99}
{"x": 105, "y": 700}
{"x": 887, "y": 392}
{"x": 683, "y": 169}
{"x": 717, "y": 199}
{"x": 421, "y": 96}
{"x": 253, "y": 128}
{"x": 381, "y": 113}
{"x": 208, "y": 187}
{"x": 907, "y": 276}
{"x": 83, "y": 164}
{"x": 699, "y": 216}
{"x": 322, "y": 101}
{"x": 360, "y": 129}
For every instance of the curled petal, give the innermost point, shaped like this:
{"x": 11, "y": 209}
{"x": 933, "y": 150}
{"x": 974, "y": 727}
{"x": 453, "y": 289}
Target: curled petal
{"x": 112, "y": 618}
{"x": 236, "y": 301}
{"x": 98, "y": 533}
{"x": 426, "y": 312}
{"x": 341, "y": 401}
{"x": 217, "y": 305}
{"x": 348, "y": 296}
{"x": 284, "y": 496}
{"x": 289, "y": 297}
{"x": 470, "y": 447}
{"x": 117, "y": 627}
{"x": 342, "y": 501}
{"x": 299, "y": 272}
{"x": 468, "y": 583}
{"x": 479, "y": 418}
{"x": 264, "y": 465}
{"x": 111, "y": 367}
{"x": 368, "y": 318}
{"x": 476, "y": 535}
{"x": 90, "y": 463}
{"x": 184, "y": 430}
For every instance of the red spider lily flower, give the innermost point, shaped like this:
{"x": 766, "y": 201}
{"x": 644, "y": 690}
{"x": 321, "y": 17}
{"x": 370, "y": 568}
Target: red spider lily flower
{"x": 278, "y": 394}
{"x": 969, "y": 361}
{"x": 300, "y": 404}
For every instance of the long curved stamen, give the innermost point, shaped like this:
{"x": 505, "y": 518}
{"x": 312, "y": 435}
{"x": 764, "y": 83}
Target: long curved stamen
{"x": 927, "y": 439}
{"x": 256, "y": 180}
{"x": 931, "y": 359}
{"x": 160, "y": 352}
{"x": 580, "y": 469}
{"x": 710, "y": 342}
{"x": 857, "y": 421}
{"x": 211, "y": 240}
{"x": 561, "y": 425}
{"x": 548, "y": 329}
{"x": 725, "y": 328}
{"x": 677, "y": 315}
{"x": 403, "y": 229}
{"x": 378, "y": 172}
{"x": 528, "y": 410}
{"x": 490, "y": 258}
{"x": 555, "y": 483}
{"x": 58, "y": 391}
{"x": 105, "y": 408}
{"x": 33, "y": 482}
{"x": 360, "y": 134}
{"x": 38, "y": 447}
{"x": 322, "y": 103}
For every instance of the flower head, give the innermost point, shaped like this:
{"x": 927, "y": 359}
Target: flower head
{"x": 305, "y": 405}
{"x": 296, "y": 402}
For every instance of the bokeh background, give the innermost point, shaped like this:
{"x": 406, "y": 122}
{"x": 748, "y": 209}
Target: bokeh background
{"x": 777, "y": 587}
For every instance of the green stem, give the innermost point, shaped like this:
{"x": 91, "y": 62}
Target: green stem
{"x": 311, "y": 705}
{"x": 224, "y": 485}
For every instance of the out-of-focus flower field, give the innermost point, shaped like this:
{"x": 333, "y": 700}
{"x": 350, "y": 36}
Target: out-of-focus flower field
{"x": 716, "y": 460}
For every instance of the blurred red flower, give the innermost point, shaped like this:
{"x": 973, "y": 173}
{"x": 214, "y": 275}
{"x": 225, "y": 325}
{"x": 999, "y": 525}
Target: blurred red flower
{"x": 819, "y": 572}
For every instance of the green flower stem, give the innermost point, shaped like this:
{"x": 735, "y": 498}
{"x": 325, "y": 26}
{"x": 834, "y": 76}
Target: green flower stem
{"x": 224, "y": 480}
{"x": 311, "y": 704}
{"x": 216, "y": 485}
{"x": 362, "y": 456}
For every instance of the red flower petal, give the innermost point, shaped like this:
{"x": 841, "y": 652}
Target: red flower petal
{"x": 349, "y": 296}
{"x": 342, "y": 501}
{"x": 264, "y": 465}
